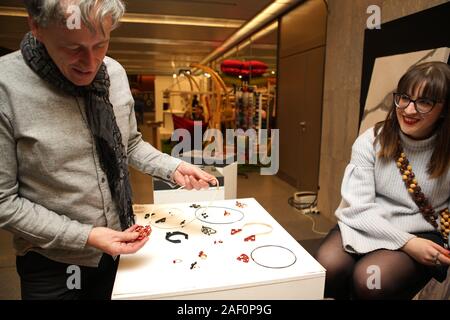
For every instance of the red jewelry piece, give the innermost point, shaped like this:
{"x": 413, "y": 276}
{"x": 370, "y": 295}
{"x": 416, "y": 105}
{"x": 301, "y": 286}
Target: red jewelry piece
{"x": 243, "y": 257}
{"x": 250, "y": 238}
{"x": 143, "y": 231}
{"x": 234, "y": 231}
{"x": 240, "y": 204}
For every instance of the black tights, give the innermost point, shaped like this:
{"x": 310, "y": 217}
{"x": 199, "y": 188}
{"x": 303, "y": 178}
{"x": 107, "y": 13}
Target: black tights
{"x": 352, "y": 276}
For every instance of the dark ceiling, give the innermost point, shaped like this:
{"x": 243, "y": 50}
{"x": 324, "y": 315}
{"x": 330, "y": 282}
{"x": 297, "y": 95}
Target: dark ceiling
{"x": 173, "y": 34}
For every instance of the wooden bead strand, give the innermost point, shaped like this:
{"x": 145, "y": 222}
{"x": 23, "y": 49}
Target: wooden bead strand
{"x": 445, "y": 223}
{"x": 412, "y": 185}
{"x": 419, "y": 198}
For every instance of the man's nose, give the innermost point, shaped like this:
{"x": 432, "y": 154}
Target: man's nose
{"x": 88, "y": 59}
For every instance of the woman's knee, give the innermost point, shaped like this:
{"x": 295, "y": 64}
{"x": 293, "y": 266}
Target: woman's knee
{"x": 367, "y": 283}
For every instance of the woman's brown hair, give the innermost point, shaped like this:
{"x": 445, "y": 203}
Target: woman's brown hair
{"x": 435, "y": 78}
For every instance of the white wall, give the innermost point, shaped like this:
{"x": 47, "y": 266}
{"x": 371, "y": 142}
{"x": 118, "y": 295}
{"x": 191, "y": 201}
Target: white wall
{"x": 161, "y": 83}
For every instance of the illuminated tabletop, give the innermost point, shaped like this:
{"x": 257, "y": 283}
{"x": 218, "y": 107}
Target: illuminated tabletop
{"x": 227, "y": 249}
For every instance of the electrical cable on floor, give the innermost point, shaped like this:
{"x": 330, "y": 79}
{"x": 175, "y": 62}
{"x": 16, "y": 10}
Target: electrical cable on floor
{"x": 302, "y": 206}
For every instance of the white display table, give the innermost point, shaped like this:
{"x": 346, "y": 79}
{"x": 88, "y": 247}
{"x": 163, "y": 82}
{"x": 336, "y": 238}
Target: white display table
{"x": 220, "y": 265}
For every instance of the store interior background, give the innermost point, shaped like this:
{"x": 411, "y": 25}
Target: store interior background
{"x": 314, "y": 52}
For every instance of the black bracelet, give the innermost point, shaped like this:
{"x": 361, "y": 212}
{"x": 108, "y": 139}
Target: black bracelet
{"x": 176, "y": 233}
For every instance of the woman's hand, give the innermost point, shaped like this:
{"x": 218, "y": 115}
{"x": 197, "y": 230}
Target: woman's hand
{"x": 426, "y": 252}
{"x": 115, "y": 242}
{"x": 192, "y": 177}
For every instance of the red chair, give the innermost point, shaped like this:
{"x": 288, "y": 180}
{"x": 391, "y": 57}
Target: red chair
{"x": 189, "y": 125}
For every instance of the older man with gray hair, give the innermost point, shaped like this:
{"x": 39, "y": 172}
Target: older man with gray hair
{"x": 67, "y": 134}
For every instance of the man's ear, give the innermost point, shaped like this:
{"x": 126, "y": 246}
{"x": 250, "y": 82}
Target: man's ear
{"x": 34, "y": 27}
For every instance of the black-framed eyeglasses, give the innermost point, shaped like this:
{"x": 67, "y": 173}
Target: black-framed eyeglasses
{"x": 422, "y": 105}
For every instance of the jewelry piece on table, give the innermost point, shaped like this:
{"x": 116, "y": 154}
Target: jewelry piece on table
{"x": 215, "y": 215}
{"x": 208, "y": 231}
{"x": 202, "y": 255}
{"x": 252, "y": 237}
{"x": 234, "y": 231}
{"x": 194, "y": 265}
{"x": 177, "y": 261}
{"x": 243, "y": 257}
{"x": 195, "y": 206}
{"x": 161, "y": 220}
{"x": 171, "y": 218}
{"x": 264, "y": 256}
{"x": 240, "y": 204}
{"x": 169, "y": 235}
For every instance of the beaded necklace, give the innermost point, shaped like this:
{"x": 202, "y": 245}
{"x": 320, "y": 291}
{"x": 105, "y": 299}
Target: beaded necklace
{"x": 420, "y": 199}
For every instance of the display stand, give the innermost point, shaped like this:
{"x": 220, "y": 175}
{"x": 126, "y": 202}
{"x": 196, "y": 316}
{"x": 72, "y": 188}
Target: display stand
{"x": 230, "y": 249}
{"x": 164, "y": 192}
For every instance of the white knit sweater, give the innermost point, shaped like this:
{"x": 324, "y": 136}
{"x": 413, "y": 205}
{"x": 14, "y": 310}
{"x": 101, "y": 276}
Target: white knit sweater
{"x": 379, "y": 212}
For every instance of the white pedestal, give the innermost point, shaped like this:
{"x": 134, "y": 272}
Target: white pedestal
{"x": 225, "y": 164}
{"x": 166, "y": 270}
{"x": 163, "y": 193}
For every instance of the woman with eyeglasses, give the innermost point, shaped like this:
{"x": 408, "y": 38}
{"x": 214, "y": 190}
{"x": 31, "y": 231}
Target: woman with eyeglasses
{"x": 392, "y": 231}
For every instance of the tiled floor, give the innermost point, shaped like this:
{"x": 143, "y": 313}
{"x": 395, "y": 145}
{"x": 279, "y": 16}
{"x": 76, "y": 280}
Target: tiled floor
{"x": 271, "y": 192}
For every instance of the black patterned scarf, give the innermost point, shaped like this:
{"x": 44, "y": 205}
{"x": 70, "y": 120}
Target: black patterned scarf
{"x": 100, "y": 118}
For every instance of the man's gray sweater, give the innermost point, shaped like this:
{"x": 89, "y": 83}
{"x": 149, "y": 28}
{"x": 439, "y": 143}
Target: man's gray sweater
{"x": 52, "y": 188}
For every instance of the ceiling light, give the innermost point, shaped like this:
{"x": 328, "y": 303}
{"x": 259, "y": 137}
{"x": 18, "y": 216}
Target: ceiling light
{"x": 181, "y": 20}
{"x": 276, "y": 9}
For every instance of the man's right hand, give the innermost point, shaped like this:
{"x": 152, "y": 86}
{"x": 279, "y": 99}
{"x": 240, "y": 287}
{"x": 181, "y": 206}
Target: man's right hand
{"x": 115, "y": 242}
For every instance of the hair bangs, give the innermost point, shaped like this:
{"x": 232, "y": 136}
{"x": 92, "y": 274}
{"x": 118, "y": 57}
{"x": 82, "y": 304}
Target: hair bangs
{"x": 429, "y": 81}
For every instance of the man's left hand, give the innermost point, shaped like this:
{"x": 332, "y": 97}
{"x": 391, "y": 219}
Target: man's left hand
{"x": 192, "y": 177}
